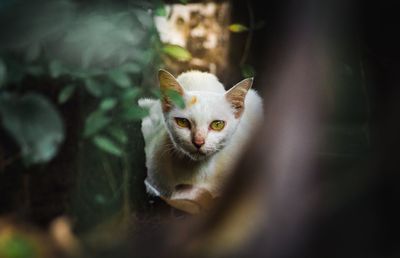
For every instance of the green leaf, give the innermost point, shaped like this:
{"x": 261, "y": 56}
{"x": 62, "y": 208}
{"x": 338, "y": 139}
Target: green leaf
{"x": 35, "y": 125}
{"x": 32, "y": 52}
{"x": 145, "y": 57}
{"x": 79, "y": 74}
{"x": 3, "y": 72}
{"x": 35, "y": 70}
{"x": 66, "y": 93}
{"x": 129, "y": 96}
{"x": 184, "y": 1}
{"x": 55, "y": 68}
{"x": 93, "y": 87}
{"x": 95, "y": 122}
{"x": 177, "y": 52}
{"x": 161, "y": 11}
{"x": 248, "y": 71}
{"x": 134, "y": 113}
{"x": 108, "y": 103}
{"x": 130, "y": 68}
{"x": 118, "y": 134}
{"x": 120, "y": 78}
{"x": 237, "y": 27}
{"x": 87, "y": 57}
{"x": 176, "y": 98}
{"x": 107, "y": 145}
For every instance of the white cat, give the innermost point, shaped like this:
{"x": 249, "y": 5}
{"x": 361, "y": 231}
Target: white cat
{"x": 191, "y": 151}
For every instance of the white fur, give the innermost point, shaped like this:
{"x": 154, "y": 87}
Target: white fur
{"x": 172, "y": 159}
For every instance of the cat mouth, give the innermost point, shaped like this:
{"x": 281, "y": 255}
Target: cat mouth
{"x": 198, "y": 154}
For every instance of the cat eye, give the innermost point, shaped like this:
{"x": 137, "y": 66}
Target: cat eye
{"x": 182, "y": 122}
{"x": 217, "y": 125}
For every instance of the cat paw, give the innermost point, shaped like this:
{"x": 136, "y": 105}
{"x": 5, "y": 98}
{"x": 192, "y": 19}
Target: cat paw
{"x": 191, "y": 199}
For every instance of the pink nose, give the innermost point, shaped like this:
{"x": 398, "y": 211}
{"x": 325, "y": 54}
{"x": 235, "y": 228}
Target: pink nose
{"x": 198, "y": 142}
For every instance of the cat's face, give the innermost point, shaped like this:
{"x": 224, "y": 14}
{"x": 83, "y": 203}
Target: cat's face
{"x": 207, "y": 122}
{"x": 204, "y": 126}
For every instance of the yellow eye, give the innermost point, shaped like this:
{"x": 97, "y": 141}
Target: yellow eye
{"x": 217, "y": 125}
{"x": 182, "y": 122}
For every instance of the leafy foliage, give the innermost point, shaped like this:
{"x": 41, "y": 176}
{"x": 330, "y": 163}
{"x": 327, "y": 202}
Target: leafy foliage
{"x": 177, "y": 52}
{"x": 35, "y": 125}
{"x": 123, "y": 45}
{"x": 95, "y": 122}
{"x": 92, "y": 87}
{"x": 93, "y": 63}
{"x": 134, "y": 113}
{"x": 55, "y": 68}
{"x": 66, "y": 93}
{"x": 120, "y": 78}
{"x": 118, "y": 134}
{"x": 237, "y": 27}
{"x": 107, "y": 145}
{"x": 161, "y": 10}
{"x": 108, "y": 103}
{"x": 176, "y": 98}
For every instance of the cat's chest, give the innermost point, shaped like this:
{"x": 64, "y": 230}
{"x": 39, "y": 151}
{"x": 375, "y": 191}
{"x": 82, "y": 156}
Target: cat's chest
{"x": 189, "y": 171}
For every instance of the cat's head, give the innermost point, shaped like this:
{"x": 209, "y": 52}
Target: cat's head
{"x": 207, "y": 122}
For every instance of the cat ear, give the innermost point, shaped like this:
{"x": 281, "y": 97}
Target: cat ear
{"x": 237, "y": 94}
{"x": 168, "y": 83}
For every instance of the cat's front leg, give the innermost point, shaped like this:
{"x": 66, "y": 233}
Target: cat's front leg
{"x": 191, "y": 199}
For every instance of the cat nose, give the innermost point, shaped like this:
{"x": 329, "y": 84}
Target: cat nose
{"x": 198, "y": 142}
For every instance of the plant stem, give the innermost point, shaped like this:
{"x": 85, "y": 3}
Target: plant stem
{"x": 126, "y": 187}
{"x": 109, "y": 174}
{"x": 249, "y": 35}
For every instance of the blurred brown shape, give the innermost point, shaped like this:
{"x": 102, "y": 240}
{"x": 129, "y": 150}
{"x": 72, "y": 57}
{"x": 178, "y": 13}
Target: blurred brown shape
{"x": 21, "y": 239}
{"x": 61, "y": 232}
